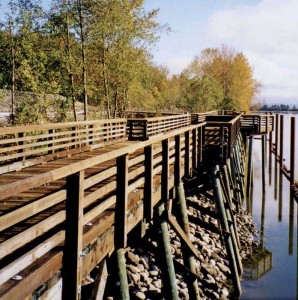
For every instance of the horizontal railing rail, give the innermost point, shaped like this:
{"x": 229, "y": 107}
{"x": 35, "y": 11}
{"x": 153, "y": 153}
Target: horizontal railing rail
{"x": 197, "y": 118}
{"x": 258, "y": 123}
{"x": 219, "y": 137}
{"x": 144, "y": 128}
{"x": 23, "y": 143}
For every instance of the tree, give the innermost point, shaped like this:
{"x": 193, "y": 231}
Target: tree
{"x": 202, "y": 94}
{"x": 231, "y": 71}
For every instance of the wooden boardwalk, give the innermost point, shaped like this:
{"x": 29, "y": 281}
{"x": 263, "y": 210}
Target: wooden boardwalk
{"x": 73, "y": 191}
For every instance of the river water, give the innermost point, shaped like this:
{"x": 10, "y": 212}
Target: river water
{"x": 273, "y": 272}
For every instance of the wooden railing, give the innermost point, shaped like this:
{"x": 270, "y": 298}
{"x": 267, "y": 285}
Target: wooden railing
{"x": 23, "y": 146}
{"x": 219, "y": 137}
{"x": 143, "y": 129}
{"x": 257, "y": 123}
{"x": 197, "y": 118}
{"x": 88, "y": 205}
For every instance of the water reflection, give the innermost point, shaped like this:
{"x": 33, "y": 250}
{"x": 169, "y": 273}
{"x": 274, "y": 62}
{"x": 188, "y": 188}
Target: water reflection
{"x": 272, "y": 273}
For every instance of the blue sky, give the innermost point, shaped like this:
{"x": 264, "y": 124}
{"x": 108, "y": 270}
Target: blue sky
{"x": 266, "y": 31}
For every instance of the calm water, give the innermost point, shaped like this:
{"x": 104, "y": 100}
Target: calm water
{"x": 274, "y": 274}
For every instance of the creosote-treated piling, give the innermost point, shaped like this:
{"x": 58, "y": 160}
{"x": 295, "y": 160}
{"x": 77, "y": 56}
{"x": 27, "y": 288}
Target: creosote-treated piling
{"x": 214, "y": 172}
{"x": 189, "y": 259}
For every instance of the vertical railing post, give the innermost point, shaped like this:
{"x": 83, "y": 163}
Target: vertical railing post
{"x": 120, "y": 240}
{"x": 51, "y": 138}
{"x": 187, "y": 154}
{"x": 292, "y": 151}
{"x": 91, "y": 134}
{"x": 72, "y": 273}
{"x": 281, "y": 142}
{"x": 21, "y": 143}
{"x": 73, "y": 135}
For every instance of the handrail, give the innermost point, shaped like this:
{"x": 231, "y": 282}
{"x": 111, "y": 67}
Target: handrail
{"x": 197, "y": 118}
{"x": 257, "y": 123}
{"x": 219, "y": 137}
{"x": 28, "y": 145}
{"x": 145, "y": 128}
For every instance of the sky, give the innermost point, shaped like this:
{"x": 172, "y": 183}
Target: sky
{"x": 265, "y": 31}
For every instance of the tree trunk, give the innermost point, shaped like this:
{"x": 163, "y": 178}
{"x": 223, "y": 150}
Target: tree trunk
{"x": 83, "y": 54}
{"x": 70, "y": 73}
{"x": 12, "y": 90}
{"x": 116, "y": 102}
{"x": 105, "y": 81}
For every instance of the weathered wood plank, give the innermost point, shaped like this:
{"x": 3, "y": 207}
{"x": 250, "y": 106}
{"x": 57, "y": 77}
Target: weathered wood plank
{"x": 24, "y": 261}
{"x": 27, "y": 211}
{"x": 31, "y": 233}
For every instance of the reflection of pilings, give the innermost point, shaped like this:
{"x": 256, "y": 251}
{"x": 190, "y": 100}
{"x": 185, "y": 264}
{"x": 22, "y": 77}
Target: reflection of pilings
{"x": 263, "y": 161}
{"x": 280, "y": 197}
{"x": 291, "y": 224}
{"x": 270, "y": 157}
{"x": 281, "y": 142}
{"x": 292, "y": 157}
{"x": 275, "y": 180}
{"x": 262, "y": 219}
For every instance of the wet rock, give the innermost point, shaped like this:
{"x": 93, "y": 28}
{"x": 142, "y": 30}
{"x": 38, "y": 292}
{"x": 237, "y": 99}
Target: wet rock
{"x": 133, "y": 258}
{"x": 140, "y": 295}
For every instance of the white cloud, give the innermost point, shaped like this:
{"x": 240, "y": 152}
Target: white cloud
{"x": 267, "y": 34}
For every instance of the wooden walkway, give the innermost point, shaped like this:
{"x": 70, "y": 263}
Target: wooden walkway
{"x": 73, "y": 191}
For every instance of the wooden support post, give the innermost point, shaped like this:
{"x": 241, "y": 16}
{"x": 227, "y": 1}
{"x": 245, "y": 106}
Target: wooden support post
{"x": 189, "y": 260}
{"x": 120, "y": 240}
{"x": 194, "y": 150}
{"x": 270, "y": 155}
{"x": 292, "y": 151}
{"x": 100, "y": 282}
{"x": 148, "y": 186}
{"x": 276, "y": 136}
{"x": 249, "y": 169}
{"x": 177, "y": 165}
{"x": 225, "y": 226}
{"x": 263, "y": 161}
{"x": 187, "y": 155}
{"x": 72, "y": 276}
{"x": 200, "y": 145}
{"x": 281, "y": 142}
{"x": 165, "y": 171}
